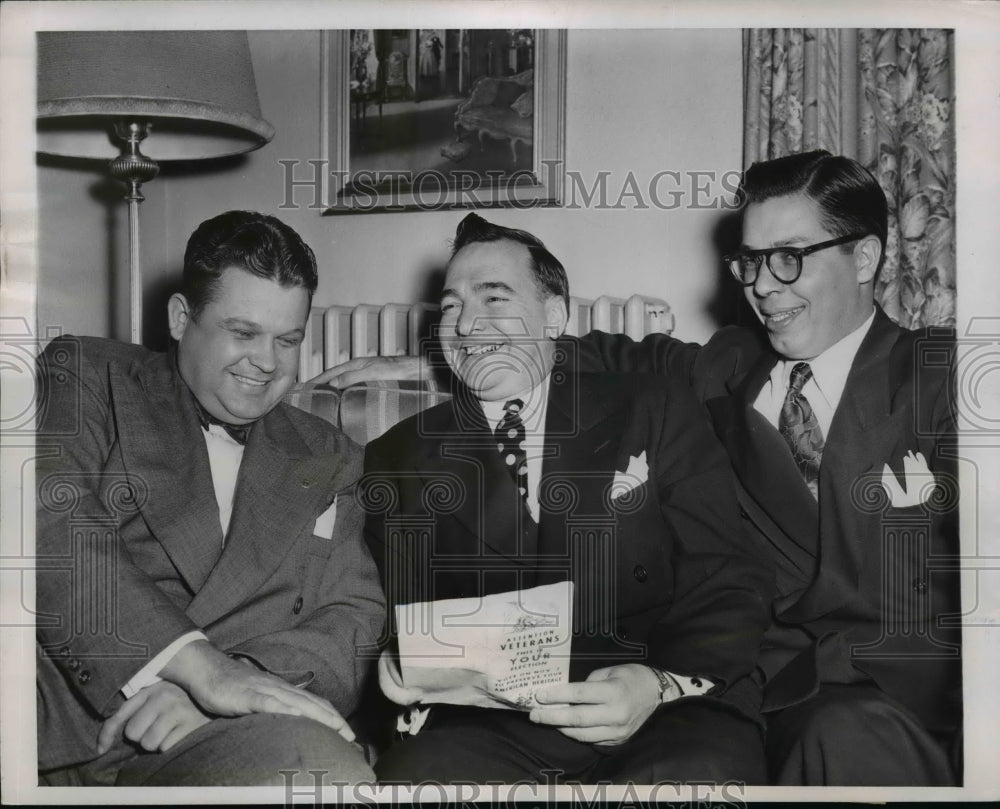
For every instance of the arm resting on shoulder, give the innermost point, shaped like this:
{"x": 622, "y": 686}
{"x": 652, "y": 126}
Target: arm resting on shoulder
{"x": 372, "y": 369}
{"x": 722, "y": 586}
{"x": 655, "y": 354}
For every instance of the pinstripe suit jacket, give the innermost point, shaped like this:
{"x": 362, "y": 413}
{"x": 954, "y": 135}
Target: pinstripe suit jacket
{"x": 130, "y": 545}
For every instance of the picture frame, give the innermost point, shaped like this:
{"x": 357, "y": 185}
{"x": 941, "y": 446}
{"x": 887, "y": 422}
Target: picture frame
{"x": 455, "y": 161}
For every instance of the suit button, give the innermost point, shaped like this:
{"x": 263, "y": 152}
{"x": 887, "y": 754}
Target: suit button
{"x": 298, "y": 605}
{"x": 919, "y": 586}
{"x": 74, "y": 665}
{"x": 83, "y": 677}
{"x": 640, "y": 573}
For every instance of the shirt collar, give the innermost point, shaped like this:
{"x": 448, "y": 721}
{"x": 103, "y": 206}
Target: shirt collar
{"x": 238, "y": 432}
{"x": 830, "y": 368}
{"x": 532, "y": 414}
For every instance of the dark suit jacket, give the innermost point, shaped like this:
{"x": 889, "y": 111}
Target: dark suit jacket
{"x": 129, "y": 542}
{"x": 863, "y": 588}
{"x": 663, "y": 576}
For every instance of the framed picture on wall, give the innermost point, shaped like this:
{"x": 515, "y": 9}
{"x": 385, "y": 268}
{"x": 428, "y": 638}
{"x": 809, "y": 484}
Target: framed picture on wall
{"x": 433, "y": 119}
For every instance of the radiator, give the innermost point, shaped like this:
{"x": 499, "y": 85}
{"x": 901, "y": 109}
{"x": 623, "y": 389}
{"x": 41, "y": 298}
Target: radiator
{"x": 336, "y": 334}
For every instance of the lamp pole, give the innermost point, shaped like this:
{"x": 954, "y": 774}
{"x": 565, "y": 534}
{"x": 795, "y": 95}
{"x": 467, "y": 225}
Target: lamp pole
{"x": 134, "y": 168}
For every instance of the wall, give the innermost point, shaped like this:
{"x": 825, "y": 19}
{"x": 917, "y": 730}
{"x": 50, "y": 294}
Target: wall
{"x": 80, "y": 255}
{"x": 637, "y": 101}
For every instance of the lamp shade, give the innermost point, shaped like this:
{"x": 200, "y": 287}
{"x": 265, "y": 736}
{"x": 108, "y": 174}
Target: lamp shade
{"x": 195, "y": 88}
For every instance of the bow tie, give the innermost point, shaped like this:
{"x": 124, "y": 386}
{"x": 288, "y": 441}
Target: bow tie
{"x": 238, "y": 432}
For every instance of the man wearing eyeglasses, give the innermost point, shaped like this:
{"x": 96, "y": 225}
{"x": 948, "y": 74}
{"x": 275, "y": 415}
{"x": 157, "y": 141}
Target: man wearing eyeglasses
{"x": 840, "y": 429}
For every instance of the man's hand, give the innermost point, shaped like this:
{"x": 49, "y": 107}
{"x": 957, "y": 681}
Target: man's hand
{"x": 370, "y": 369}
{"x": 156, "y": 718}
{"x": 608, "y": 708}
{"x": 391, "y": 681}
{"x": 227, "y": 687}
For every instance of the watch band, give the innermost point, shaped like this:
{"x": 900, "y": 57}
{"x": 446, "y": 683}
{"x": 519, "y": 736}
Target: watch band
{"x": 667, "y": 685}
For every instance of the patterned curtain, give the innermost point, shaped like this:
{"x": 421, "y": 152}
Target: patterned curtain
{"x": 885, "y": 97}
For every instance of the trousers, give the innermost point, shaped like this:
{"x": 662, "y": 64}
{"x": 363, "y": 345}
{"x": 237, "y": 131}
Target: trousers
{"x": 250, "y": 750}
{"x": 854, "y": 735}
{"x": 691, "y": 739}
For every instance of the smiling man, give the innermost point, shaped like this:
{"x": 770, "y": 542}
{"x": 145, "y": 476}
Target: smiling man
{"x": 498, "y": 331}
{"x": 840, "y": 428}
{"x": 839, "y": 425}
{"x": 612, "y": 482}
{"x": 205, "y": 623}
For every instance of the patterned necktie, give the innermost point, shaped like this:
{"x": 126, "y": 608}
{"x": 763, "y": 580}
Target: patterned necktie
{"x": 800, "y": 429}
{"x": 510, "y": 443}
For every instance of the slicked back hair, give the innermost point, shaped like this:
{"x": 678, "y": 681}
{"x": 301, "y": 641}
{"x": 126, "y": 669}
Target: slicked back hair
{"x": 848, "y": 196}
{"x": 260, "y": 244}
{"x": 550, "y": 275}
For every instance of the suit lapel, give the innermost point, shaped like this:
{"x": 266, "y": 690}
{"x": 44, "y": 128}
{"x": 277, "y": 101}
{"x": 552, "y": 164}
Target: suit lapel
{"x": 163, "y": 447}
{"x": 583, "y": 432}
{"x": 857, "y": 434}
{"x": 580, "y": 437}
{"x": 282, "y": 487}
{"x": 862, "y": 435}
{"x": 465, "y": 456}
{"x": 761, "y": 458}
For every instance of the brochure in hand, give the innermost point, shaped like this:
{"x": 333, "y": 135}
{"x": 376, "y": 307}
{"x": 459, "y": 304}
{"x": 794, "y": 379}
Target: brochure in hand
{"x": 494, "y": 651}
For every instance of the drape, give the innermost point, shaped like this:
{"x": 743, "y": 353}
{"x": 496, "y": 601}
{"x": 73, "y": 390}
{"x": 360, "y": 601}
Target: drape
{"x": 885, "y": 97}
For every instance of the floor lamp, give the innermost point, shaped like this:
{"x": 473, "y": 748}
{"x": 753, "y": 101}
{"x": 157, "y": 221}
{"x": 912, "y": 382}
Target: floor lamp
{"x": 180, "y": 95}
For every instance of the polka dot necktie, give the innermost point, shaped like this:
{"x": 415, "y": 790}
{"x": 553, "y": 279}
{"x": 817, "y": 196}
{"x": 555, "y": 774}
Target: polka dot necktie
{"x": 800, "y": 429}
{"x": 510, "y": 444}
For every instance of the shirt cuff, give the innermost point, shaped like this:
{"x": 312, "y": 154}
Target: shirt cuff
{"x": 150, "y": 673}
{"x": 675, "y": 686}
{"x": 692, "y": 686}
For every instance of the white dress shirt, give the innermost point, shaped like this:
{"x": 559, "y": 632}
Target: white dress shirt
{"x": 824, "y": 389}
{"x": 225, "y": 454}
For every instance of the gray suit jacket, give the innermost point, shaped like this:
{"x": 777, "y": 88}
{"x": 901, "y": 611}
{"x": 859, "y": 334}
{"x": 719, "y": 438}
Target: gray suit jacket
{"x": 130, "y": 549}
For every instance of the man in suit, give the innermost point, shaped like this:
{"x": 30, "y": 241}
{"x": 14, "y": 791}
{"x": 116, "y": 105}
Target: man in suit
{"x": 670, "y": 600}
{"x": 861, "y": 666}
{"x": 204, "y": 596}
{"x": 840, "y": 430}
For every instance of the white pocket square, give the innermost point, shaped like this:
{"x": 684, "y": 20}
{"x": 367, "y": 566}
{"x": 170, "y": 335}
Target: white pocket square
{"x": 325, "y": 521}
{"x": 918, "y": 482}
{"x": 634, "y": 476}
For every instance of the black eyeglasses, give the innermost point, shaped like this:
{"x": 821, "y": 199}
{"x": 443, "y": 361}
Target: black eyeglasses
{"x": 785, "y": 263}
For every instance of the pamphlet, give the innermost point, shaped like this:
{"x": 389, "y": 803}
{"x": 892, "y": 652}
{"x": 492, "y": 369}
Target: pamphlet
{"x": 495, "y": 651}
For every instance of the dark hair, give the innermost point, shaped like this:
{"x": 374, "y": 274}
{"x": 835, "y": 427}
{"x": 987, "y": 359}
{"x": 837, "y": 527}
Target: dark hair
{"x": 849, "y": 197}
{"x": 260, "y": 244}
{"x": 550, "y": 275}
